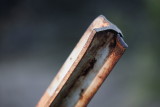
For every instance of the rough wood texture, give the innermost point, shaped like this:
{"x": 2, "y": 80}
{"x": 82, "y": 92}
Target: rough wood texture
{"x": 87, "y": 67}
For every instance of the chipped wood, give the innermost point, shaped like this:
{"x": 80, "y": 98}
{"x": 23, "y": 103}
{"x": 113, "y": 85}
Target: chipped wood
{"x": 87, "y": 67}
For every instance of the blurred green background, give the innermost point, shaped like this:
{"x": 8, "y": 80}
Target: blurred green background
{"x": 36, "y": 36}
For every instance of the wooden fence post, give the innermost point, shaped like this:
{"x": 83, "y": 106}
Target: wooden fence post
{"x": 87, "y": 67}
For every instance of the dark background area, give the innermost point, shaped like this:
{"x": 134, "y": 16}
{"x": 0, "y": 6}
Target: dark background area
{"x": 36, "y": 36}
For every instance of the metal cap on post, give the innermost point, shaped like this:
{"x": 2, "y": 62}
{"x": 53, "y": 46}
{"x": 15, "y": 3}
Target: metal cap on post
{"x": 87, "y": 67}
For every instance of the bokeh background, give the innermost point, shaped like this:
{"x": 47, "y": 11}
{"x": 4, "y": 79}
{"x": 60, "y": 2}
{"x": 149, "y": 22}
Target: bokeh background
{"x": 36, "y": 37}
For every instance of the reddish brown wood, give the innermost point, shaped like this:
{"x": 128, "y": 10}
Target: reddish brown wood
{"x": 86, "y": 68}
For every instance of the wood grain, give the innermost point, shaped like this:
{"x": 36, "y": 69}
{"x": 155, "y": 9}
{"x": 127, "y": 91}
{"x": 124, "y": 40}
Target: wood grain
{"x": 87, "y": 67}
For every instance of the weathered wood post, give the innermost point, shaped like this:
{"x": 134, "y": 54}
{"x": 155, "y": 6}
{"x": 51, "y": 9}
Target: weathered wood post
{"x": 87, "y": 67}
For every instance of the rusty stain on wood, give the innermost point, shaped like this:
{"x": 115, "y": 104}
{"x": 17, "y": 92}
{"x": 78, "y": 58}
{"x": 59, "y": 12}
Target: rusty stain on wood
{"x": 87, "y": 67}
